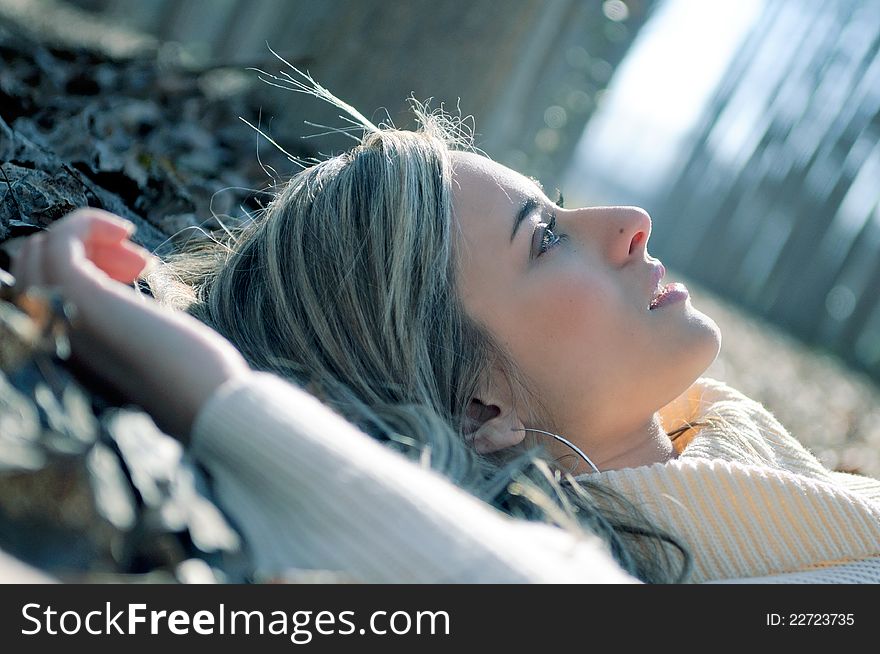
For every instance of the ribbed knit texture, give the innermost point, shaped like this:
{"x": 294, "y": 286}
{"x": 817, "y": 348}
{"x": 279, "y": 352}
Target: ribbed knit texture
{"x": 310, "y": 491}
{"x": 750, "y": 501}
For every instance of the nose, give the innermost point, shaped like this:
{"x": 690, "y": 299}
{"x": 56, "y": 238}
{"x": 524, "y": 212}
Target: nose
{"x": 623, "y": 231}
{"x": 636, "y": 229}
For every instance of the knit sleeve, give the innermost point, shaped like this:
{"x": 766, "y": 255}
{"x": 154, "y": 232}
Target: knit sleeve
{"x": 310, "y": 491}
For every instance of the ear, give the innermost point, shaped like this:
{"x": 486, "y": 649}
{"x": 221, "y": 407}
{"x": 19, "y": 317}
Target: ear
{"x": 494, "y": 427}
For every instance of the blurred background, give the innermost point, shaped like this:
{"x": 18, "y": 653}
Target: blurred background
{"x": 749, "y": 129}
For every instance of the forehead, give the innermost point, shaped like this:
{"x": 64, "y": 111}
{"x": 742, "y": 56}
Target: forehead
{"x": 483, "y": 186}
{"x": 486, "y": 197}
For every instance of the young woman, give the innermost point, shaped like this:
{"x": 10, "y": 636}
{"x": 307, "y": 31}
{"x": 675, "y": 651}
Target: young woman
{"x": 444, "y": 305}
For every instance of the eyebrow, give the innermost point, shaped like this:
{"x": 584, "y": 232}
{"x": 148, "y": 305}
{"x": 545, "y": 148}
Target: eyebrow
{"x": 527, "y": 207}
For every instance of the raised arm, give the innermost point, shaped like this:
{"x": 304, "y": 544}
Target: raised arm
{"x": 310, "y": 490}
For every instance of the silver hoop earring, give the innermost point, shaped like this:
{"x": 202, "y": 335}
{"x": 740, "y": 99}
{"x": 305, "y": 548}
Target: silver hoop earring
{"x": 564, "y": 441}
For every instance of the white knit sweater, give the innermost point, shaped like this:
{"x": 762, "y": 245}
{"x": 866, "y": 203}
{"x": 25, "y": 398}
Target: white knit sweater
{"x": 309, "y": 491}
{"x": 750, "y": 501}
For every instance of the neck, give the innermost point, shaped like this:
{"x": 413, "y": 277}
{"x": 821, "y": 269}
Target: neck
{"x": 645, "y": 445}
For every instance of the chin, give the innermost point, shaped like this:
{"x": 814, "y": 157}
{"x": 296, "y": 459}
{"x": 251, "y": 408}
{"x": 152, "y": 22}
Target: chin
{"x": 705, "y": 341}
{"x": 697, "y": 343}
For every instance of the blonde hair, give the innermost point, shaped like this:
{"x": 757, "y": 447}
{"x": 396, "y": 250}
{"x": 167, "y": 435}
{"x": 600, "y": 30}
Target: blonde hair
{"x": 346, "y": 285}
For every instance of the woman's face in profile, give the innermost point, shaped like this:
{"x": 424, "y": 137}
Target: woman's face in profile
{"x": 572, "y": 305}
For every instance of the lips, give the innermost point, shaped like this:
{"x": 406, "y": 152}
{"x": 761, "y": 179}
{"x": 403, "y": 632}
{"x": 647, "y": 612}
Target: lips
{"x": 664, "y": 294}
{"x": 671, "y": 293}
{"x": 658, "y": 272}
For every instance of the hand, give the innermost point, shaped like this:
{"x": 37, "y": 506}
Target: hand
{"x": 88, "y": 243}
{"x": 166, "y": 361}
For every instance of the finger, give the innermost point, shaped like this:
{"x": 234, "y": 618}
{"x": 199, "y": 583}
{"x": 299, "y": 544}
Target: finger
{"x": 122, "y": 248}
{"x": 97, "y": 226}
{"x": 123, "y": 264}
{"x": 109, "y": 228}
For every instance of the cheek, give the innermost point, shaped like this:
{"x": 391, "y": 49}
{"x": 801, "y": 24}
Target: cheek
{"x": 568, "y": 318}
{"x": 572, "y": 308}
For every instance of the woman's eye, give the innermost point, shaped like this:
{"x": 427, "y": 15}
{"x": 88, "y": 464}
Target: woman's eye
{"x": 549, "y": 238}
